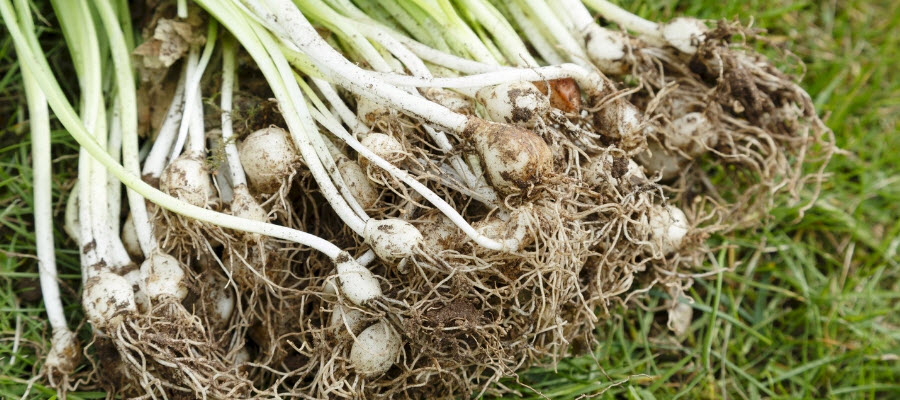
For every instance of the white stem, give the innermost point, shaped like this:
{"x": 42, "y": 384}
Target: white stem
{"x": 287, "y": 20}
{"x": 532, "y": 32}
{"x": 98, "y": 204}
{"x": 221, "y": 179}
{"x": 156, "y": 159}
{"x": 585, "y": 78}
{"x": 579, "y": 15}
{"x": 448, "y": 60}
{"x": 407, "y": 57}
{"x": 128, "y": 102}
{"x": 366, "y": 258}
{"x": 39, "y": 121}
{"x": 418, "y": 68}
{"x": 196, "y": 131}
{"x": 557, "y": 29}
{"x": 85, "y": 222}
{"x": 192, "y": 61}
{"x": 302, "y": 127}
{"x": 108, "y": 219}
{"x": 562, "y": 15}
{"x": 487, "y": 194}
{"x": 510, "y": 43}
{"x": 347, "y": 115}
{"x": 113, "y": 186}
{"x": 624, "y": 18}
{"x": 335, "y": 173}
{"x": 228, "y": 83}
{"x": 193, "y": 110}
{"x": 66, "y": 114}
{"x": 266, "y": 52}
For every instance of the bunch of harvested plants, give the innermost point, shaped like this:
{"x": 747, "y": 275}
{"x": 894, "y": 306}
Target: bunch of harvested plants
{"x": 411, "y": 198}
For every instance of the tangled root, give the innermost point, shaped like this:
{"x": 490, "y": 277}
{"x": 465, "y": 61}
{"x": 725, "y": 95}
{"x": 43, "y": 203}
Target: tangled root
{"x": 764, "y": 125}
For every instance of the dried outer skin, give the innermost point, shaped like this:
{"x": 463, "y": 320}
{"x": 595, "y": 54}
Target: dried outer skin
{"x": 564, "y": 94}
{"x": 515, "y": 158}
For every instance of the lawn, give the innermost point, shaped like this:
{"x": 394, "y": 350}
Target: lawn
{"x": 803, "y": 308}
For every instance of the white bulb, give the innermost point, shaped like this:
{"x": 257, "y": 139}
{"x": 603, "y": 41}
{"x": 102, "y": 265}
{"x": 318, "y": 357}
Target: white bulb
{"x": 514, "y": 158}
{"x": 107, "y": 298}
{"x": 224, "y": 303}
{"x": 605, "y": 48}
{"x": 392, "y": 239}
{"x": 243, "y": 205}
{"x": 450, "y": 99}
{"x": 371, "y": 112}
{"x": 668, "y": 227}
{"x": 163, "y": 277}
{"x": 187, "y": 179}
{"x": 384, "y": 146}
{"x": 357, "y": 283}
{"x": 141, "y": 300}
{"x": 438, "y": 232}
{"x": 693, "y": 133}
{"x": 375, "y": 350}
{"x": 268, "y": 155}
{"x": 684, "y": 34}
{"x": 65, "y": 352}
{"x": 658, "y": 159}
{"x": 516, "y": 103}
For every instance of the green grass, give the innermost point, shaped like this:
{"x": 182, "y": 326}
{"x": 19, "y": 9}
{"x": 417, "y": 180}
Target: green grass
{"x": 806, "y": 309}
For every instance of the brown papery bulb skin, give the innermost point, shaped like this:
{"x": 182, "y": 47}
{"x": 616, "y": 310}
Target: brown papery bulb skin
{"x": 515, "y": 159}
{"x": 564, "y": 94}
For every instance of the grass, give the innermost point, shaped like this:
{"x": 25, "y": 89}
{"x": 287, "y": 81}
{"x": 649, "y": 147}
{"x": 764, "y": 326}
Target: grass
{"x": 805, "y": 309}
